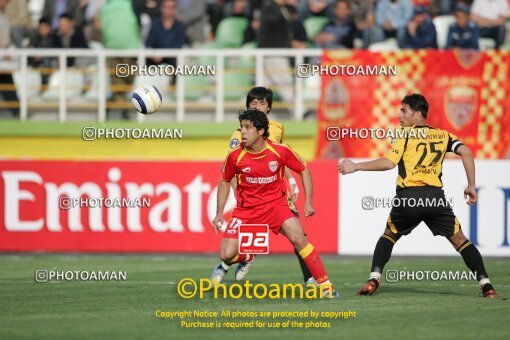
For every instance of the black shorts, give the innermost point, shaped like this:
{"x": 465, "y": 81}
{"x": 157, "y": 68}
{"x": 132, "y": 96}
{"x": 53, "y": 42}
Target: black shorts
{"x": 413, "y": 205}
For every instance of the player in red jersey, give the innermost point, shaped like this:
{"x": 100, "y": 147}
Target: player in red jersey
{"x": 258, "y": 165}
{"x": 261, "y": 99}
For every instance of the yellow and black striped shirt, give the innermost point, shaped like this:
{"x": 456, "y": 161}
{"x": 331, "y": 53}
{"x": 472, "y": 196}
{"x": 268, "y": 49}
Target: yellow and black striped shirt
{"x": 420, "y": 154}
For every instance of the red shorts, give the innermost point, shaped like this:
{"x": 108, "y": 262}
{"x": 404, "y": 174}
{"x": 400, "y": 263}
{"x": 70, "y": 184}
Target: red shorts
{"x": 272, "y": 214}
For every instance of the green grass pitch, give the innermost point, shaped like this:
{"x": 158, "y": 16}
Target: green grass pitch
{"x": 126, "y": 310}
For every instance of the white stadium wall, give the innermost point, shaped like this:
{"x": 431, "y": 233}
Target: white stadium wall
{"x": 487, "y": 224}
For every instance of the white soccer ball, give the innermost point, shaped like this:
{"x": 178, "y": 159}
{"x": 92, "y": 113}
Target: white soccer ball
{"x": 146, "y": 99}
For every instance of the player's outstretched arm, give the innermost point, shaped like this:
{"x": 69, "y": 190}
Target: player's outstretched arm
{"x": 347, "y": 166}
{"x": 469, "y": 165}
{"x": 223, "y": 191}
{"x": 306, "y": 179}
{"x": 294, "y": 190}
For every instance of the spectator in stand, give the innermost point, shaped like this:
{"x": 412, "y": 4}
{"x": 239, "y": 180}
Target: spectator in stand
{"x": 299, "y": 38}
{"x": 91, "y": 27}
{"x": 317, "y": 8}
{"x": 463, "y": 33}
{"x": 216, "y": 14}
{"x": 91, "y": 9}
{"x": 251, "y": 32}
{"x": 420, "y": 31}
{"x": 166, "y": 32}
{"x": 238, "y": 8}
{"x": 69, "y": 35}
{"x": 275, "y": 31}
{"x": 19, "y": 20}
{"x": 192, "y": 14}
{"x": 242, "y": 9}
{"x": 391, "y": 18}
{"x": 42, "y": 38}
{"x": 118, "y": 23}
{"x": 149, "y": 7}
{"x": 121, "y": 32}
{"x": 340, "y": 32}
{"x": 490, "y": 16}
{"x": 53, "y": 9}
{"x": 6, "y": 65}
{"x": 362, "y": 12}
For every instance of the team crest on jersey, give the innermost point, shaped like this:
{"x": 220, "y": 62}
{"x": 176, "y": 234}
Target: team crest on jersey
{"x": 234, "y": 143}
{"x": 273, "y": 165}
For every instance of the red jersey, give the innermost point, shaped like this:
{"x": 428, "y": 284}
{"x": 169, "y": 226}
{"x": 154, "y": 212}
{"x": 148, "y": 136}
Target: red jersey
{"x": 260, "y": 175}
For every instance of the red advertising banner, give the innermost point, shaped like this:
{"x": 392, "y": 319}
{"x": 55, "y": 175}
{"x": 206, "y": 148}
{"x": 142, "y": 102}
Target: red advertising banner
{"x": 134, "y": 207}
{"x": 468, "y": 94}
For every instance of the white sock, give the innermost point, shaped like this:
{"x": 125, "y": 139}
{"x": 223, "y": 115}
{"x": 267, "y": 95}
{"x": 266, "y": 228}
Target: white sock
{"x": 225, "y": 266}
{"x": 375, "y": 275}
{"x": 484, "y": 281}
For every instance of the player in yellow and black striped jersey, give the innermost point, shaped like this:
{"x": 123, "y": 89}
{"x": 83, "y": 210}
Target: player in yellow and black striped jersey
{"x": 420, "y": 160}
{"x": 419, "y": 155}
{"x": 261, "y": 98}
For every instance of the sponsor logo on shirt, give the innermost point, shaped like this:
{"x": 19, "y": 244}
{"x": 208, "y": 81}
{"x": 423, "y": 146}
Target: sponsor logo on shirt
{"x": 261, "y": 180}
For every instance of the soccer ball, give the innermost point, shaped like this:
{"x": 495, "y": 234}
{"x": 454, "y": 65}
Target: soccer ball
{"x": 146, "y": 99}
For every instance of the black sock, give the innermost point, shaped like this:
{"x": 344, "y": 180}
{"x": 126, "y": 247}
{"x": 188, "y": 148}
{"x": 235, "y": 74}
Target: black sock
{"x": 473, "y": 259}
{"x": 382, "y": 253}
{"x": 304, "y": 268}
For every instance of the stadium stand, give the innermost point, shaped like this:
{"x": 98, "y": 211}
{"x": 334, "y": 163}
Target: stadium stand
{"x": 233, "y": 40}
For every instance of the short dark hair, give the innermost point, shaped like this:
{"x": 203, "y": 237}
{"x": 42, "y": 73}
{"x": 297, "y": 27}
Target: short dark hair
{"x": 461, "y": 7}
{"x": 66, "y": 16}
{"x": 259, "y": 93}
{"x": 338, "y": 2}
{"x": 417, "y": 102}
{"x": 44, "y": 20}
{"x": 258, "y": 118}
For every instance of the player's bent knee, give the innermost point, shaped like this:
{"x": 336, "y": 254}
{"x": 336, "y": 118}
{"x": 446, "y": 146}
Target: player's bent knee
{"x": 300, "y": 242}
{"x": 389, "y": 233}
{"x": 297, "y": 239}
{"x": 227, "y": 253}
{"x": 457, "y": 239}
{"x": 227, "y": 256}
{"x": 293, "y": 230}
